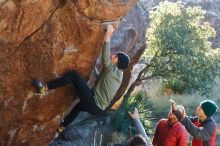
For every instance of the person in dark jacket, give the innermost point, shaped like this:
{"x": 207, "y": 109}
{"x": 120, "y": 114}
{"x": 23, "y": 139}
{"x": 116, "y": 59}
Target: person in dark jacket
{"x": 141, "y": 139}
{"x": 95, "y": 100}
{"x": 202, "y": 127}
{"x": 170, "y": 132}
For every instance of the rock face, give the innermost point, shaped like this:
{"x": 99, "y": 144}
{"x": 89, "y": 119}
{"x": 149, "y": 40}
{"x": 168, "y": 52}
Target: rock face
{"x": 97, "y": 130}
{"x": 43, "y": 39}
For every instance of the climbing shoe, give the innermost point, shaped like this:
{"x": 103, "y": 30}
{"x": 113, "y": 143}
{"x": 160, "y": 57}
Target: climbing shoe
{"x": 60, "y": 129}
{"x": 40, "y": 87}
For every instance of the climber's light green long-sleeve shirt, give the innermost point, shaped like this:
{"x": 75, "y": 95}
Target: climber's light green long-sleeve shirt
{"x": 108, "y": 81}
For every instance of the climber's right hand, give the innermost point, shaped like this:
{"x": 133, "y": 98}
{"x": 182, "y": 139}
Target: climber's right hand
{"x": 109, "y": 33}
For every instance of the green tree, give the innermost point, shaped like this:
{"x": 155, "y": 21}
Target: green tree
{"x": 122, "y": 121}
{"x": 179, "y": 49}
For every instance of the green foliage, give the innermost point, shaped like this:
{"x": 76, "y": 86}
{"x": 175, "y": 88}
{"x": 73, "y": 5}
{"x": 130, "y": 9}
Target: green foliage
{"x": 176, "y": 85}
{"x": 121, "y": 119}
{"x": 178, "y": 40}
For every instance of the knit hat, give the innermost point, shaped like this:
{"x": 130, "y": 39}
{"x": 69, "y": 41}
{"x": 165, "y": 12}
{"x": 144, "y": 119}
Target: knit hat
{"x": 123, "y": 60}
{"x": 209, "y": 107}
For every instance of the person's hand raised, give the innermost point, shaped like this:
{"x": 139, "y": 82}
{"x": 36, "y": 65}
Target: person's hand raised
{"x": 178, "y": 110}
{"x": 110, "y": 30}
{"x": 109, "y": 33}
{"x": 182, "y": 110}
{"x": 134, "y": 115}
{"x": 173, "y": 105}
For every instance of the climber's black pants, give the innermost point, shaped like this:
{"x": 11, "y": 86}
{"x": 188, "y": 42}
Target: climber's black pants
{"x": 86, "y": 95}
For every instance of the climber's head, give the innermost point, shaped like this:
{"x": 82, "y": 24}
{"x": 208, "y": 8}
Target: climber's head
{"x": 121, "y": 60}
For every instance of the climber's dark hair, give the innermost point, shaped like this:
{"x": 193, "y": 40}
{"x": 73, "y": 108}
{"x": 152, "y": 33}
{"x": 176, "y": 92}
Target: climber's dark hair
{"x": 123, "y": 60}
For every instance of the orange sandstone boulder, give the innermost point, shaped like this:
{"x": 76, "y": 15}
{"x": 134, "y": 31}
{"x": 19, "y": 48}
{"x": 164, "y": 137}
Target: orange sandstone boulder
{"x": 43, "y": 39}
